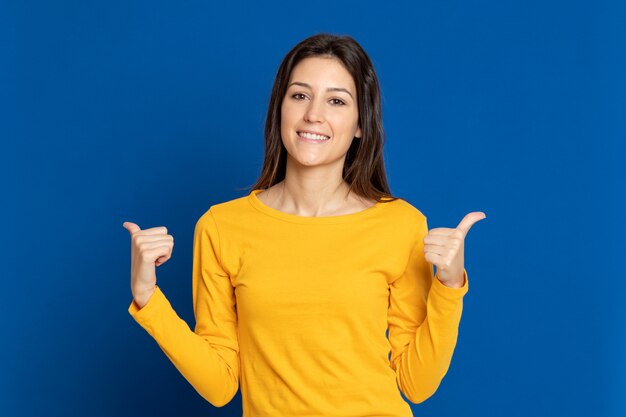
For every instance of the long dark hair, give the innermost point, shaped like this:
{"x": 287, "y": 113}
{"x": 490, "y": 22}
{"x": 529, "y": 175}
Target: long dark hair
{"x": 364, "y": 169}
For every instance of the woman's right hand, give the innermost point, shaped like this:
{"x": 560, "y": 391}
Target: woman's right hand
{"x": 149, "y": 248}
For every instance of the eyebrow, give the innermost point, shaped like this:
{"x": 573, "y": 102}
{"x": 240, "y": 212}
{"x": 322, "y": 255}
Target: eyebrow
{"x": 328, "y": 89}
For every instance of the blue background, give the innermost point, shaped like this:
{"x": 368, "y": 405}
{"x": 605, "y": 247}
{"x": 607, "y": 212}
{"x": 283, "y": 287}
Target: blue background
{"x": 151, "y": 111}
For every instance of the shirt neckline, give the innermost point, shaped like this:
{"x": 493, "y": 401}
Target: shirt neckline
{"x": 294, "y": 218}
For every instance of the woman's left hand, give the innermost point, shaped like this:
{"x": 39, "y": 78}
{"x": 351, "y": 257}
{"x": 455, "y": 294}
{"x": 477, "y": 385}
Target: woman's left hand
{"x": 443, "y": 247}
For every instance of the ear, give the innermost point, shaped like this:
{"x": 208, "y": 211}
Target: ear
{"x": 358, "y": 134}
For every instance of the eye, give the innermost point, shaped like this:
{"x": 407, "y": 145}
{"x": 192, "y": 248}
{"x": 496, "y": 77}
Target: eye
{"x": 334, "y": 101}
{"x": 296, "y": 96}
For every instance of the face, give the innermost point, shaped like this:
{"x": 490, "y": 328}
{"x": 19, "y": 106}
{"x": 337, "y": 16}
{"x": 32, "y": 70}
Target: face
{"x": 320, "y": 99}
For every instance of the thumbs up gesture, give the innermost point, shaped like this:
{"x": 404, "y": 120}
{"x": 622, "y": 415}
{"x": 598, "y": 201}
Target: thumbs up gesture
{"x": 149, "y": 248}
{"x": 443, "y": 247}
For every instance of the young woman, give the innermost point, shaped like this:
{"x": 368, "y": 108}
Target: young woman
{"x": 296, "y": 284}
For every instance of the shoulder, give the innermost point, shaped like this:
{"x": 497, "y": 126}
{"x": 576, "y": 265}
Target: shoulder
{"x": 403, "y": 220}
{"x": 236, "y": 210}
{"x": 403, "y": 209}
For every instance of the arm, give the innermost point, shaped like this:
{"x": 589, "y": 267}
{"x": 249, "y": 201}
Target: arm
{"x": 209, "y": 356}
{"x": 424, "y": 316}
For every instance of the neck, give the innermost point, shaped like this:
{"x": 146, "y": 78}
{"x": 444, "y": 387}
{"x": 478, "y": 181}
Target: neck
{"x": 312, "y": 192}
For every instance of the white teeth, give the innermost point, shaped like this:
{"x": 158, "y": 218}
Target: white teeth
{"x": 313, "y": 136}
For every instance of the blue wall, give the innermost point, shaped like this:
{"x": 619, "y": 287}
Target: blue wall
{"x": 151, "y": 111}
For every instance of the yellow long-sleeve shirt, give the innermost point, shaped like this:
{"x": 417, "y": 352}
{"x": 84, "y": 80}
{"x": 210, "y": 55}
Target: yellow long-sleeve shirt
{"x": 295, "y": 310}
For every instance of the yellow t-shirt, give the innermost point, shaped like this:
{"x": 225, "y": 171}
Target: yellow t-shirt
{"x": 295, "y": 310}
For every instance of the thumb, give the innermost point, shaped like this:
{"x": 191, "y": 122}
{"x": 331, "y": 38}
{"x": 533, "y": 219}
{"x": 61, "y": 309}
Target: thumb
{"x": 131, "y": 227}
{"x": 469, "y": 220}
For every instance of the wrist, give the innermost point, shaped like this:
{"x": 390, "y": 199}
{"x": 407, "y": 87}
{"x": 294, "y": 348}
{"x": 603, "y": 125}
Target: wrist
{"x": 454, "y": 283}
{"x": 141, "y": 298}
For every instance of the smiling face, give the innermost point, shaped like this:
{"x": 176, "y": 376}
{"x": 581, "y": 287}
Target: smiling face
{"x": 320, "y": 99}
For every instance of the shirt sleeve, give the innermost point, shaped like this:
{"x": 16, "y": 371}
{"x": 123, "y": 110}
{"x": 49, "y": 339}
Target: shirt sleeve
{"x": 423, "y": 317}
{"x": 207, "y": 357}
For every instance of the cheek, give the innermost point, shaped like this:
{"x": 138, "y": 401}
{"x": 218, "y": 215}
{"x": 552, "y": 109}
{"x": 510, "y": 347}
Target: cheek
{"x": 286, "y": 121}
{"x": 346, "y": 123}
{"x": 284, "y": 117}
{"x": 286, "y": 114}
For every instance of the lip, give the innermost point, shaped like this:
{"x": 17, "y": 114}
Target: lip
{"x": 317, "y": 142}
{"x": 313, "y": 132}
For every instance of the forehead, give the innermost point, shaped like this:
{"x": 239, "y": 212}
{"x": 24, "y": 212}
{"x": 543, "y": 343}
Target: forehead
{"x": 322, "y": 72}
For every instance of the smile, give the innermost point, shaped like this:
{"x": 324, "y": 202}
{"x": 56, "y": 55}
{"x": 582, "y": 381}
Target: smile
{"x": 312, "y": 137}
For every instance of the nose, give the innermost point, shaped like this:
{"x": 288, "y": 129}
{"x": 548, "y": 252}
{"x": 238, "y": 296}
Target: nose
{"x": 313, "y": 113}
